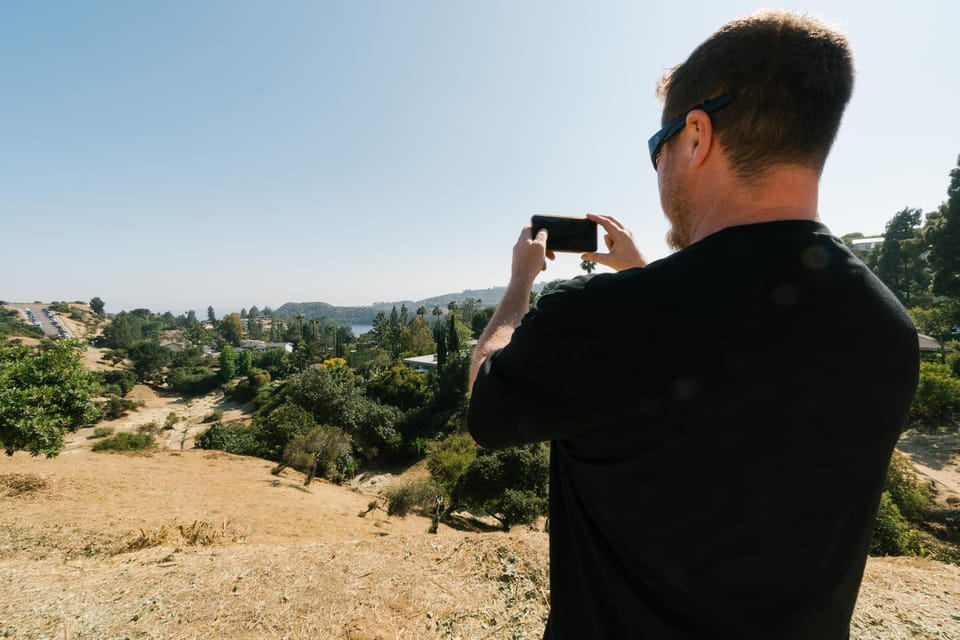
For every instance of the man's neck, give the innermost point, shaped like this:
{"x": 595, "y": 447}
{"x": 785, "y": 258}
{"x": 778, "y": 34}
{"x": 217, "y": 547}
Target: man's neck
{"x": 784, "y": 193}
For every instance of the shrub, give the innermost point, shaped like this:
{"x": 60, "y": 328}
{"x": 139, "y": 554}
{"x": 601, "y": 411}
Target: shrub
{"x": 510, "y": 484}
{"x": 937, "y": 400}
{"x": 447, "y": 459}
{"x": 122, "y": 379}
{"x": 909, "y": 493}
{"x": 892, "y": 535}
{"x": 416, "y": 495}
{"x": 236, "y": 439}
{"x": 149, "y": 428}
{"x": 126, "y": 442}
{"x": 323, "y": 451}
{"x": 116, "y": 407}
{"x": 171, "y": 421}
{"x": 102, "y": 432}
{"x": 214, "y": 416}
{"x": 192, "y": 380}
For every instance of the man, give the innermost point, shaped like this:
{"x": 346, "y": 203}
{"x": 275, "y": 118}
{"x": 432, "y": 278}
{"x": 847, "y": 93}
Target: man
{"x": 720, "y": 420}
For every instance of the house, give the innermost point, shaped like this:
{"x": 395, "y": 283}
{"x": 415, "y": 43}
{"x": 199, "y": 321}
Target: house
{"x": 862, "y": 245}
{"x": 422, "y": 364}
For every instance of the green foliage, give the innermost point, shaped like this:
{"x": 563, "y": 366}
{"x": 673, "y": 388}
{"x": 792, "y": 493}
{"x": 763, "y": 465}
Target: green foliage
{"x": 244, "y": 362}
{"x": 281, "y": 425}
{"x": 236, "y": 439}
{"x": 102, "y": 432}
{"x": 128, "y": 328}
{"x": 944, "y": 239}
{"x": 912, "y": 496}
{"x": 126, "y": 442}
{"x": 892, "y": 535}
{"x": 447, "y": 459}
{"x": 247, "y": 388}
{"x": 276, "y": 362}
{"x": 480, "y": 320}
{"x": 415, "y": 495}
{"x": 45, "y": 392}
{"x": 191, "y": 381}
{"x": 937, "y": 399}
{"x": 323, "y": 451}
{"x": 171, "y": 421}
{"x": 149, "y": 428}
{"x": 116, "y": 407}
{"x": 510, "y": 484}
{"x": 228, "y": 363}
{"x": 119, "y": 381}
{"x": 214, "y": 416}
{"x": 97, "y": 305}
{"x": 149, "y": 359}
{"x": 11, "y": 324}
{"x": 401, "y": 387}
{"x": 335, "y": 397}
{"x": 231, "y": 329}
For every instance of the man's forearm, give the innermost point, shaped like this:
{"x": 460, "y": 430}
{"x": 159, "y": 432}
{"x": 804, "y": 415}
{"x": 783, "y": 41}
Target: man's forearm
{"x": 497, "y": 334}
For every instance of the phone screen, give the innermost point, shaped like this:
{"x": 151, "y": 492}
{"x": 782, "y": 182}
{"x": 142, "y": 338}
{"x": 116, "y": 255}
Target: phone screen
{"x": 576, "y": 235}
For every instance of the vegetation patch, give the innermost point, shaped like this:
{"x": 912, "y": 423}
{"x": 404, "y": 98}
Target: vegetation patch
{"x": 198, "y": 534}
{"x": 126, "y": 442}
{"x": 15, "y": 484}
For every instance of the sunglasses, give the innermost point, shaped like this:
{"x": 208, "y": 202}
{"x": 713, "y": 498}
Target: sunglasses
{"x": 673, "y": 127}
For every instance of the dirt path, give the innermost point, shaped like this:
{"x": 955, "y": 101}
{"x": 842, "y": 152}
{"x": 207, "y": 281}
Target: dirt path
{"x": 190, "y": 413}
{"x": 936, "y": 456}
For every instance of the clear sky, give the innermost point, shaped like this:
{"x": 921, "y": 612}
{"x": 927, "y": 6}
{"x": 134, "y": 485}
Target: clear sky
{"x": 187, "y": 153}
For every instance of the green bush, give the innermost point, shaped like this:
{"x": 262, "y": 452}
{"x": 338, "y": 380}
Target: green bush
{"x": 102, "y": 432}
{"x": 116, "y": 407}
{"x": 149, "y": 428}
{"x": 937, "y": 400}
{"x": 171, "y": 421}
{"x": 912, "y": 496}
{"x": 416, "y": 495}
{"x": 126, "y": 442}
{"x": 235, "y": 439}
{"x": 448, "y": 458}
{"x": 323, "y": 451}
{"x": 510, "y": 484}
{"x": 892, "y": 535}
{"x": 193, "y": 380}
{"x": 214, "y": 416}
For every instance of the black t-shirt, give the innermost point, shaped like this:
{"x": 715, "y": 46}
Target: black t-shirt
{"x": 720, "y": 424}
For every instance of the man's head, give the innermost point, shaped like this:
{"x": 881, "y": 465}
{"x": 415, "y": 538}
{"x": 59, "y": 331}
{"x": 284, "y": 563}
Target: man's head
{"x": 788, "y": 79}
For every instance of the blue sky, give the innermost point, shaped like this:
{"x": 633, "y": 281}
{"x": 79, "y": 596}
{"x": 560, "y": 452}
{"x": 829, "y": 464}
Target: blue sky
{"x": 176, "y": 154}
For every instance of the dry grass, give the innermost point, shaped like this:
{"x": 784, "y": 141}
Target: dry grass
{"x": 17, "y": 484}
{"x": 196, "y": 544}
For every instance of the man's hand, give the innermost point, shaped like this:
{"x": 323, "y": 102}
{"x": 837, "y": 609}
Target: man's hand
{"x": 529, "y": 259}
{"x": 623, "y": 250}
{"x": 529, "y": 256}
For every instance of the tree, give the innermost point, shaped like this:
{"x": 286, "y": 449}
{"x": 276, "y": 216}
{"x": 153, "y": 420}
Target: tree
{"x": 45, "y": 392}
{"x": 510, "y": 484}
{"x": 228, "y": 363}
{"x": 588, "y": 265}
{"x": 97, "y": 305}
{"x": 480, "y": 321}
{"x": 244, "y": 362}
{"x": 231, "y": 329}
{"x": 211, "y": 316}
{"x": 944, "y": 239}
{"x": 149, "y": 360}
{"x": 900, "y": 263}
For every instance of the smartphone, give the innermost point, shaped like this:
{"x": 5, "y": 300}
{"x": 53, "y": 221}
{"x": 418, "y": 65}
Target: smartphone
{"x": 577, "y": 235}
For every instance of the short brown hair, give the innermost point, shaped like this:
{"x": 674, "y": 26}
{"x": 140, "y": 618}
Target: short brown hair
{"x": 790, "y": 77}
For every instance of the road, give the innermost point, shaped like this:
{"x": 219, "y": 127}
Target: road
{"x": 46, "y": 322}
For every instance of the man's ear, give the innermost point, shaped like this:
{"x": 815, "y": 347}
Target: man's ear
{"x": 700, "y": 137}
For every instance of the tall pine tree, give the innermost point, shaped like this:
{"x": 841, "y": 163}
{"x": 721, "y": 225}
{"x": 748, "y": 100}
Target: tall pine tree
{"x": 944, "y": 237}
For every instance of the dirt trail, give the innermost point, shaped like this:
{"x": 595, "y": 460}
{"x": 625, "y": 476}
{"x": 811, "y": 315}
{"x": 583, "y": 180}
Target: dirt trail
{"x": 936, "y": 456}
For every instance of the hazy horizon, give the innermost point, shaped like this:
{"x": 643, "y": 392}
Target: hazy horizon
{"x": 232, "y": 153}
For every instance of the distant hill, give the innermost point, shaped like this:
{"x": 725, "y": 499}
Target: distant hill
{"x": 365, "y": 315}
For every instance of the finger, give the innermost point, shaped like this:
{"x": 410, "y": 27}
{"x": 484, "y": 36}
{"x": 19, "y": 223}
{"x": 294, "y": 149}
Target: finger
{"x": 593, "y": 256}
{"x": 541, "y": 237}
{"x": 607, "y": 240}
{"x": 609, "y": 223}
{"x": 551, "y": 254}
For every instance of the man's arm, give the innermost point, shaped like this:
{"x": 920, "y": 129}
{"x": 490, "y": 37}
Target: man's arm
{"x": 529, "y": 256}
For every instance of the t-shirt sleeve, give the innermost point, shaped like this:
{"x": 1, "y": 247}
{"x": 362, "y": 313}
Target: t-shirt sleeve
{"x": 539, "y": 387}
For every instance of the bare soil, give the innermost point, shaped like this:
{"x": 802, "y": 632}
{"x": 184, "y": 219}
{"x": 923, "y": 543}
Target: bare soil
{"x": 185, "y": 543}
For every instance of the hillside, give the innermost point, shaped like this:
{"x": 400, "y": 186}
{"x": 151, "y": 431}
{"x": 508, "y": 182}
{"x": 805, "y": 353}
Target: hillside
{"x": 200, "y": 544}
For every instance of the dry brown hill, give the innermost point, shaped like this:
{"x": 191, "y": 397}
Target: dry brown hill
{"x": 199, "y": 544}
